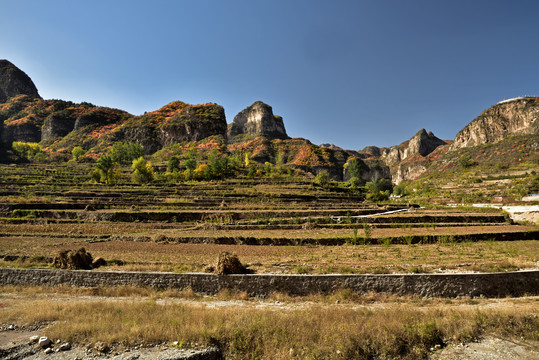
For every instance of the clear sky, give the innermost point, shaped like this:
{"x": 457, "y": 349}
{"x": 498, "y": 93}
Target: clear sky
{"x": 351, "y": 73}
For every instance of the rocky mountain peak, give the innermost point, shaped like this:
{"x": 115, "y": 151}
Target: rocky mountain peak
{"x": 422, "y": 143}
{"x": 258, "y": 119}
{"x": 14, "y": 81}
{"x": 516, "y": 116}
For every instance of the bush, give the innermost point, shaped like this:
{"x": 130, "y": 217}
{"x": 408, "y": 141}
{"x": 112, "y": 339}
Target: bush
{"x": 124, "y": 153}
{"x": 356, "y": 167}
{"x": 202, "y": 172}
{"x": 377, "y": 196}
{"x": 465, "y": 161}
{"x": 77, "y": 153}
{"x": 26, "y": 150}
{"x": 355, "y": 183}
{"x": 108, "y": 170}
{"x": 379, "y": 190}
{"x": 322, "y": 179}
{"x": 400, "y": 190}
{"x": 143, "y": 172}
{"x": 173, "y": 164}
{"x": 191, "y": 159}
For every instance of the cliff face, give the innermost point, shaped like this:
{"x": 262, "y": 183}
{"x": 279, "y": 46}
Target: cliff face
{"x": 14, "y": 81}
{"x": 511, "y": 117}
{"x": 194, "y": 123}
{"x": 173, "y": 123}
{"x": 258, "y": 120}
{"x": 422, "y": 143}
{"x": 63, "y": 124}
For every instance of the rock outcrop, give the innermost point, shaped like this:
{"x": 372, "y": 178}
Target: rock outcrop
{"x": 422, "y": 143}
{"x": 58, "y": 124}
{"x": 174, "y": 123}
{"x": 410, "y": 171}
{"x": 100, "y": 116}
{"x": 517, "y": 116}
{"x": 368, "y": 170}
{"x": 194, "y": 123}
{"x": 258, "y": 120}
{"x": 14, "y": 81}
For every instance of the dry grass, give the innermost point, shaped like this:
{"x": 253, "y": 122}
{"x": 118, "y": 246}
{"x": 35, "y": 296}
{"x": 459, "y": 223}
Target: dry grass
{"x": 393, "y": 328}
{"x": 148, "y": 256}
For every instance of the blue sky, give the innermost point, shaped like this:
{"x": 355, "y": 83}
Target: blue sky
{"x": 351, "y": 73}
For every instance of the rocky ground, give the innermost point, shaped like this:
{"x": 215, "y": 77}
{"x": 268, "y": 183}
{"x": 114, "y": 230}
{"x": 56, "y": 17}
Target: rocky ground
{"x": 19, "y": 345}
{"x": 24, "y": 344}
{"x": 490, "y": 349}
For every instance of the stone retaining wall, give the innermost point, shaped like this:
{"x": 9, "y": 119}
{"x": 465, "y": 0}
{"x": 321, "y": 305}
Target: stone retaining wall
{"x": 437, "y": 285}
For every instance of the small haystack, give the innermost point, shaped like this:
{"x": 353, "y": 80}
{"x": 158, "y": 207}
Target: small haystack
{"x": 73, "y": 260}
{"x": 230, "y": 264}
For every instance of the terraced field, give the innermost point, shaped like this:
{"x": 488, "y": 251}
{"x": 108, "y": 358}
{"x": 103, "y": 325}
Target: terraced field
{"x": 275, "y": 225}
{"x": 280, "y": 225}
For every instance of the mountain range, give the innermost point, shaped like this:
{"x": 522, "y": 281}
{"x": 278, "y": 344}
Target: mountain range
{"x": 59, "y": 125}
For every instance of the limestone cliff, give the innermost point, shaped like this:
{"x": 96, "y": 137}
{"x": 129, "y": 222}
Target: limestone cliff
{"x": 258, "y": 120}
{"x": 173, "y": 123}
{"x": 14, "y": 81}
{"x": 422, "y": 143}
{"x": 517, "y": 116}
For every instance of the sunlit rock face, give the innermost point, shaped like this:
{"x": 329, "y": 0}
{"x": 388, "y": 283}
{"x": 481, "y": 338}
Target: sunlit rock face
{"x": 517, "y": 116}
{"x": 258, "y": 119}
{"x": 422, "y": 143}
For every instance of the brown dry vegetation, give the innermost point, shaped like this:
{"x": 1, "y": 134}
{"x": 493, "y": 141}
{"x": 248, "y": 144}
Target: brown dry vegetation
{"x": 392, "y": 327}
{"x": 340, "y": 325}
{"x": 151, "y": 256}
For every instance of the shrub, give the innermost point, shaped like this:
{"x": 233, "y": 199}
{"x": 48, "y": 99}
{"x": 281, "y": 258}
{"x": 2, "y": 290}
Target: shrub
{"x": 108, "y": 170}
{"x": 400, "y": 190}
{"x": 124, "y": 153}
{"x": 356, "y": 167}
{"x": 77, "y": 153}
{"x": 143, "y": 172}
{"x": 465, "y": 161}
{"x": 379, "y": 189}
{"x": 191, "y": 159}
{"x": 322, "y": 179}
{"x": 355, "y": 183}
{"x": 220, "y": 165}
{"x": 26, "y": 150}
{"x": 173, "y": 164}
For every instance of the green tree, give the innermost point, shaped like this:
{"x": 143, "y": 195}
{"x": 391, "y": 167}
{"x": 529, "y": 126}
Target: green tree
{"x": 191, "y": 159}
{"x": 143, "y": 172}
{"x": 465, "y": 161}
{"x": 322, "y": 179}
{"x": 173, "y": 164}
{"x": 26, "y": 150}
{"x": 77, "y": 153}
{"x": 400, "y": 190}
{"x": 124, "y": 153}
{"x": 219, "y": 165}
{"x": 355, "y": 183}
{"x": 109, "y": 170}
{"x": 379, "y": 189}
{"x": 356, "y": 167}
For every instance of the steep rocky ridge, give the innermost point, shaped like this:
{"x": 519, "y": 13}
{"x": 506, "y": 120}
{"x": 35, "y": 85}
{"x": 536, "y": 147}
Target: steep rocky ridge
{"x": 61, "y": 124}
{"x": 173, "y": 123}
{"x": 14, "y": 81}
{"x": 510, "y": 117}
{"x": 422, "y": 143}
{"x": 258, "y": 120}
